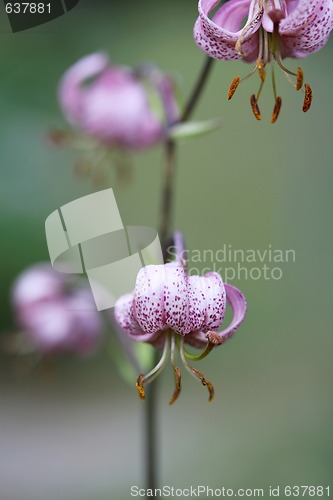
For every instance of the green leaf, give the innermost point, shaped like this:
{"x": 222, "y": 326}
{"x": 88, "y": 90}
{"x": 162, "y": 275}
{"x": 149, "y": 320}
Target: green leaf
{"x": 194, "y": 129}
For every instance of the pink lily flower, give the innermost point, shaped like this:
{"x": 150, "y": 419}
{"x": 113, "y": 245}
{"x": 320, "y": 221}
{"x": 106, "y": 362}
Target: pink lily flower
{"x": 113, "y": 104}
{"x": 170, "y": 308}
{"x": 53, "y": 317}
{"x": 274, "y": 30}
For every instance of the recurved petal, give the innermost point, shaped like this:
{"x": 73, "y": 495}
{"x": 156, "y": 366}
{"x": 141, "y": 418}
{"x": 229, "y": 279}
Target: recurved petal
{"x": 305, "y": 30}
{"x": 70, "y": 84}
{"x": 125, "y": 315}
{"x": 214, "y": 292}
{"x": 218, "y": 36}
{"x": 238, "y": 305}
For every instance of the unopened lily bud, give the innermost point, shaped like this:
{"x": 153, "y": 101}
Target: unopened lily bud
{"x": 115, "y": 105}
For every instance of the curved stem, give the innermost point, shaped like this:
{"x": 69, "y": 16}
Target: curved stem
{"x": 197, "y": 90}
{"x": 165, "y": 233}
{"x": 170, "y": 156}
{"x": 167, "y": 194}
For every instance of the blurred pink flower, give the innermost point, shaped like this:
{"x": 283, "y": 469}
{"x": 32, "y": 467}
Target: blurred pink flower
{"x": 115, "y": 105}
{"x": 54, "y": 317}
{"x": 169, "y": 307}
{"x": 273, "y": 30}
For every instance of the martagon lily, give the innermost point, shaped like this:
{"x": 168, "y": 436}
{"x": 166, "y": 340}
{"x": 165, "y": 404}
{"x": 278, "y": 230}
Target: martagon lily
{"x": 274, "y": 30}
{"x": 169, "y": 308}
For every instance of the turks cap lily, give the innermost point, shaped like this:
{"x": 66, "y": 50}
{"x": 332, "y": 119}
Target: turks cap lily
{"x": 114, "y": 111}
{"x": 169, "y": 308}
{"x": 119, "y": 106}
{"x": 54, "y": 316}
{"x": 274, "y": 30}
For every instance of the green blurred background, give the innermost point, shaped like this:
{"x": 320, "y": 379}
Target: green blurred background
{"x": 75, "y": 431}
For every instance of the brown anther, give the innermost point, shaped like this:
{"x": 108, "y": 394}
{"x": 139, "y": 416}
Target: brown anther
{"x": 233, "y": 87}
{"x": 139, "y": 386}
{"x": 214, "y": 338}
{"x": 299, "y": 78}
{"x": 255, "y": 107}
{"x": 276, "y": 111}
{"x": 307, "y": 98}
{"x": 261, "y": 70}
{"x": 178, "y": 380}
{"x": 206, "y": 383}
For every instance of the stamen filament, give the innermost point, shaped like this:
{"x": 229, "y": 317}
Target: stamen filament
{"x": 259, "y": 91}
{"x": 206, "y": 383}
{"x": 146, "y": 379}
{"x": 198, "y": 357}
{"x": 278, "y": 59}
{"x": 178, "y": 380}
{"x": 266, "y": 47}
{"x": 274, "y": 82}
{"x": 196, "y": 374}
{"x": 249, "y": 74}
{"x": 176, "y": 371}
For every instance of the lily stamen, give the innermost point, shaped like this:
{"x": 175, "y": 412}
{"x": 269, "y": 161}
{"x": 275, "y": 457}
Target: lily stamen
{"x": 255, "y": 107}
{"x": 276, "y": 111}
{"x": 149, "y": 377}
{"x": 307, "y": 98}
{"x": 176, "y": 371}
{"x": 205, "y": 383}
{"x": 196, "y": 374}
{"x": 271, "y": 33}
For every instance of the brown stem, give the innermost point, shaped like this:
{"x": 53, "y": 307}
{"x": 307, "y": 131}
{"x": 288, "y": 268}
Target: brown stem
{"x": 170, "y": 157}
{"x": 197, "y": 90}
{"x": 167, "y": 194}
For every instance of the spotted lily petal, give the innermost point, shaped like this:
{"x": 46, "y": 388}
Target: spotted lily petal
{"x": 166, "y": 298}
{"x": 218, "y": 36}
{"x": 306, "y": 27}
{"x": 125, "y": 316}
{"x": 274, "y": 30}
{"x": 212, "y": 301}
{"x": 237, "y": 301}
